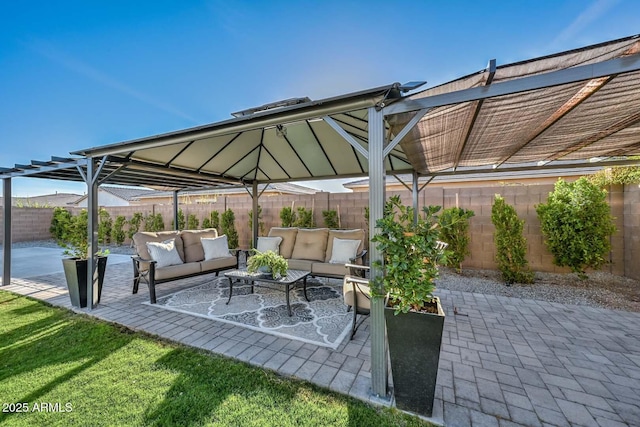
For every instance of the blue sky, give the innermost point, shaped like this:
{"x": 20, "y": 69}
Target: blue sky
{"x": 79, "y": 74}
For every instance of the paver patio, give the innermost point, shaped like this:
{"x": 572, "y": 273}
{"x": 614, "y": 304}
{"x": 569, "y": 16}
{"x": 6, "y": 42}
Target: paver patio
{"x": 504, "y": 361}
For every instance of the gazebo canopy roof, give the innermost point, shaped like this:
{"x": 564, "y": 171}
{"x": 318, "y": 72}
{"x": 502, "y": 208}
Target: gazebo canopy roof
{"x": 572, "y": 106}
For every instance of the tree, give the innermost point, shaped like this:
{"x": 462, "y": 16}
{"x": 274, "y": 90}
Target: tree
{"x": 576, "y": 222}
{"x": 59, "y": 223}
{"x": 454, "y": 230}
{"x": 228, "y": 227}
{"x": 511, "y": 246}
{"x": 118, "y": 229}
{"x": 261, "y": 230}
{"x": 331, "y": 218}
{"x": 105, "y": 224}
{"x": 134, "y": 224}
{"x": 304, "y": 218}
{"x": 192, "y": 222}
{"x": 287, "y": 216}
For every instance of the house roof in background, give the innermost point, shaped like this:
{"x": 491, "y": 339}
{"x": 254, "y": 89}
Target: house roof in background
{"x": 124, "y": 193}
{"x": 46, "y": 200}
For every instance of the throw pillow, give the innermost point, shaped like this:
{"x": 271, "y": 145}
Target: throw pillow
{"x": 215, "y": 247}
{"x": 164, "y": 253}
{"x": 269, "y": 244}
{"x": 343, "y": 250}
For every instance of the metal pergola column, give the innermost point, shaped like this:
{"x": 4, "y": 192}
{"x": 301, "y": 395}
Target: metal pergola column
{"x": 379, "y": 375}
{"x": 6, "y": 238}
{"x": 92, "y": 232}
{"x": 254, "y": 217}
{"x": 176, "y": 205}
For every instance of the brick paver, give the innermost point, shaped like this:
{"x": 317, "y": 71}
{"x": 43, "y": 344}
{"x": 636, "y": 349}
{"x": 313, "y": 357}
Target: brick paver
{"x": 508, "y": 362}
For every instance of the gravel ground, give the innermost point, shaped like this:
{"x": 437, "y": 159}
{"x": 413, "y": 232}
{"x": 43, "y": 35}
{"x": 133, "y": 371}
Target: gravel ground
{"x": 600, "y": 289}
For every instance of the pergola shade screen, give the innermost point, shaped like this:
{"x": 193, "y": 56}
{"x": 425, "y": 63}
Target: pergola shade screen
{"x": 572, "y": 121}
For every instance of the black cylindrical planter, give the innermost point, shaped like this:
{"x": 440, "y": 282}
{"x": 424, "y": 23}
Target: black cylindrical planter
{"x": 414, "y": 349}
{"x": 75, "y": 270}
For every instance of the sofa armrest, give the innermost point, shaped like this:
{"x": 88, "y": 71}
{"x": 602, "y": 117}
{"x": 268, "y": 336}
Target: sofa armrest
{"x": 357, "y": 270}
{"x": 359, "y": 256}
{"x": 139, "y": 260}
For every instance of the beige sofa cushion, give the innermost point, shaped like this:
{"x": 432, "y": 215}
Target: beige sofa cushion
{"x": 344, "y": 234}
{"x": 193, "y": 251}
{"x": 311, "y": 244}
{"x": 288, "y": 239}
{"x": 177, "y": 271}
{"x": 141, "y": 238}
{"x": 218, "y": 263}
{"x": 326, "y": 269}
{"x": 300, "y": 264}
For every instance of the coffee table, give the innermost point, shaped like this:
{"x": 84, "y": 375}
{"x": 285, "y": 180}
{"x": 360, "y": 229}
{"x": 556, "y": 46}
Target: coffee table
{"x": 290, "y": 280}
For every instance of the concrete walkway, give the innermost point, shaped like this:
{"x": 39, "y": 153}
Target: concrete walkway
{"x": 504, "y": 361}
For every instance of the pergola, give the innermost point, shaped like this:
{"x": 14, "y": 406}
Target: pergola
{"x": 564, "y": 110}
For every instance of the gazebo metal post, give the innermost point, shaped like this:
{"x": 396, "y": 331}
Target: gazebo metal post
{"x": 6, "y": 238}
{"x": 92, "y": 232}
{"x": 254, "y": 217}
{"x": 379, "y": 377}
{"x": 176, "y": 226}
{"x": 415, "y": 191}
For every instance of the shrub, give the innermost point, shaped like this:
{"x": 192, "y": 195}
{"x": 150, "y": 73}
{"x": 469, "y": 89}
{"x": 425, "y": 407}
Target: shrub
{"x": 192, "y": 222}
{"x": 154, "y": 222}
{"x": 304, "y": 218}
{"x": 331, "y": 218}
{"x": 261, "y": 231}
{"x": 59, "y": 223}
{"x": 576, "y": 222}
{"x": 228, "y": 227}
{"x": 511, "y": 246}
{"x": 215, "y": 220}
{"x": 287, "y": 217}
{"x": 181, "y": 221}
{"x": 118, "y": 229}
{"x": 134, "y": 224}
{"x": 105, "y": 224}
{"x": 454, "y": 229}
{"x": 616, "y": 175}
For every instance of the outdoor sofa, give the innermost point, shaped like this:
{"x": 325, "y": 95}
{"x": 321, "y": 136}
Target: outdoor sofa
{"x": 321, "y": 251}
{"x": 170, "y": 255}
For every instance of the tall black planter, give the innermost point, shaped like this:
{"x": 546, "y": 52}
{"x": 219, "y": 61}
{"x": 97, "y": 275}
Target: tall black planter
{"x": 414, "y": 347}
{"x": 75, "y": 270}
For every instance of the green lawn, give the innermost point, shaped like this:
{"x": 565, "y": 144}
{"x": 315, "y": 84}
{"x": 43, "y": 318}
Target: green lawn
{"x": 67, "y": 369}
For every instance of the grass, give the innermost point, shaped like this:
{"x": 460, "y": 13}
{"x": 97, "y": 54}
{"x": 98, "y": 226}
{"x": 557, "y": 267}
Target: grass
{"x": 111, "y": 376}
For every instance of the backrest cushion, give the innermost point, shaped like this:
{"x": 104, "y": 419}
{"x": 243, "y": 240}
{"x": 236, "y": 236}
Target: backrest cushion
{"x": 215, "y": 247}
{"x": 288, "y": 235}
{"x": 269, "y": 244}
{"x": 141, "y": 238}
{"x": 343, "y": 250}
{"x": 193, "y": 251}
{"x": 164, "y": 253}
{"x": 357, "y": 234}
{"x": 311, "y": 244}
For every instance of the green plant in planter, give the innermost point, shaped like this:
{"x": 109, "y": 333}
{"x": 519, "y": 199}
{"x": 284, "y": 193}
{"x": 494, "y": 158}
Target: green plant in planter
{"x": 410, "y": 256}
{"x": 75, "y": 238}
{"x": 274, "y": 263}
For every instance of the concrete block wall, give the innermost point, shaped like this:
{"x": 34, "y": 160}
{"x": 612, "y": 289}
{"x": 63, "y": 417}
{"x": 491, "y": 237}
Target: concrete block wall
{"x": 33, "y": 223}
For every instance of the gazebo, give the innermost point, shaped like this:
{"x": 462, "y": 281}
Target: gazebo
{"x": 563, "y": 110}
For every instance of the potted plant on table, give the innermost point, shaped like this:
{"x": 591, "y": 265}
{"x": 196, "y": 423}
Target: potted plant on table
{"x": 74, "y": 239}
{"x": 414, "y": 317}
{"x": 267, "y": 262}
